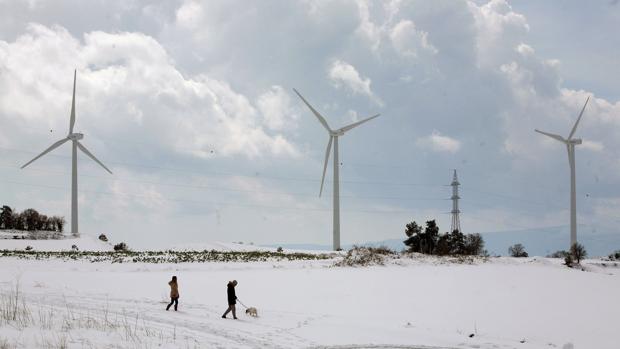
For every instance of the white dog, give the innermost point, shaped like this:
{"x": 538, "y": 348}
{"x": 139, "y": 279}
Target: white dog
{"x": 252, "y": 311}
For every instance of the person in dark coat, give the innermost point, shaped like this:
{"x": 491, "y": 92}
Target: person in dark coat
{"x": 174, "y": 293}
{"x": 232, "y": 299}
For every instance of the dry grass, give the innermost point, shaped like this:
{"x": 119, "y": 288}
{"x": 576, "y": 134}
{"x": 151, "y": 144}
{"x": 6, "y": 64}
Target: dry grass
{"x": 54, "y": 327}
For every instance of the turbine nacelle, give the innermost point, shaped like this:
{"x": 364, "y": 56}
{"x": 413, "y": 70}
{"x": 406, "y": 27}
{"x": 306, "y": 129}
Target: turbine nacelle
{"x": 75, "y": 136}
{"x": 575, "y": 141}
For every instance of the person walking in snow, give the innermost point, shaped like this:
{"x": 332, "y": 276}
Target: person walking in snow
{"x": 174, "y": 293}
{"x": 232, "y": 299}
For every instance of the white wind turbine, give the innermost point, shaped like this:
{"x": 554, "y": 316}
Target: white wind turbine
{"x": 333, "y": 138}
{"x": 75, "y": 138}
{"x": 570, "y": 147}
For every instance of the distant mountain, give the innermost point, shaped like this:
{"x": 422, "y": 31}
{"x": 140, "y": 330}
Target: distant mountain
{"x": 537, "y": 242}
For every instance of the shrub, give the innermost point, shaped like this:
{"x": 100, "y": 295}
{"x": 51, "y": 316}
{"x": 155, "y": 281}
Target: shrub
{"x": 578, "y": 252}
{"x": 103, "y": 238}
{"x": 74, "y": 248}
{"x": 568, "y": 261}
{"x": 413, "y": 232}
{"x": 474, "y": 245}
{"x": 121, "y": 247}
{"x": 429, "y": 241}
{"x": 280, "y": 249}
{"x": 28, "y": 248}
{"x": 364, "y": 256}
{"x": 615, "y": 255}
{"x": 517, "y": 250}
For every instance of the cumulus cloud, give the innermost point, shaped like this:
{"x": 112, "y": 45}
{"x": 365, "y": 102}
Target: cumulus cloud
{"x": 128, "y": 86}
{"x": 410, "y": 42}
{"x": 344, "y": 74}
{"x": 439, "y": 143}
{"x": 275, "y": 107}
{"x": 499, "y": 30}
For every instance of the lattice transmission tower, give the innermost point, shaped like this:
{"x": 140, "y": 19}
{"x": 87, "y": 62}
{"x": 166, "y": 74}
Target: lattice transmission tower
{"x": 456, "y": 223}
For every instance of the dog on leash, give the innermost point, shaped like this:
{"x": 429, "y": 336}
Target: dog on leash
{"x": 251, "y": 311}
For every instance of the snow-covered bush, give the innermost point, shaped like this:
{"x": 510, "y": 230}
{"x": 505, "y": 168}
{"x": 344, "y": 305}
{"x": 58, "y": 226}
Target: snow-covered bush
{"x": 103, "y": 238}
{"x": 615, "y": 255}
{"x": 364, "y": 256}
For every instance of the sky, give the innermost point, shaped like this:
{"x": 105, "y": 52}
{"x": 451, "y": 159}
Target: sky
{"x": 190, "y": 104}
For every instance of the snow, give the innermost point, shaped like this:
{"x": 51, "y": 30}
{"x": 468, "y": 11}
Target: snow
{"x": 425, "y": 302}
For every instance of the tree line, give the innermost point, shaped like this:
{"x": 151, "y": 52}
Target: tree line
{"x": 30, "y": 220}
{"x": 428, "y": 240}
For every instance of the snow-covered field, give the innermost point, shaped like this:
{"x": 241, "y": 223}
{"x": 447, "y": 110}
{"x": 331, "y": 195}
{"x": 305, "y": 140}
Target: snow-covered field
{"x": 412, "y": 303}
{"x": 84, "y": 243}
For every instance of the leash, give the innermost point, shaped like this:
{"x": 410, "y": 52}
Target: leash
{"x": 240, "y": 302}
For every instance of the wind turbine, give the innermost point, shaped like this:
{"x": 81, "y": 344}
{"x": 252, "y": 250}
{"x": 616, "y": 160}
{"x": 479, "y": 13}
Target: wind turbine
{"x": 75, "y": 138}
{"x": 570, "y": 147}
{"x": 333, "y": 138}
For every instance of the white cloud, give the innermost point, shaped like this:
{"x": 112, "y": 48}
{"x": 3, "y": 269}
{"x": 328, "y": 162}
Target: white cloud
{"x": 593, "y": 145}
{"x": 410, "y": 42}
{"x": 344, "y": 74}
{"x": 129, "y": 76}
{"x": 499, "y": 31}
{"x": 439, "y": 143}
{"x": 275, "y": 107}
{"x": 190, "y": 15}
{"x": 366, "y": 28}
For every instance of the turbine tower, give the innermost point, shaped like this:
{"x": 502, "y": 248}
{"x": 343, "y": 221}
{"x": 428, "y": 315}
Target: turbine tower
{"x": 456, "y": 224}
{"x": 75, "y": 139}
{"x": 570, "y": 143}
{"x": 333, "y": 138}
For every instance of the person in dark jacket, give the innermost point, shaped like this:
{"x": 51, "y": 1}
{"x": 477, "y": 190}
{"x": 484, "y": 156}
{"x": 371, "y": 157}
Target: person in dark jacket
{"x": 174, "y": 293}
{"x": 232, "y": 299}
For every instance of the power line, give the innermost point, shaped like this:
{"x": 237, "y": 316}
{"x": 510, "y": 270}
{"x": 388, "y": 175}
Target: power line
{"x": 218, "y": 173}
{"x": 214, "y": 203}
{"x": 217, "y": 188}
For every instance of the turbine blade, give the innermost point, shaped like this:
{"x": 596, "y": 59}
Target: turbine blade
{"x": 572, "y": 132}
{"x": 329, "y": 148}
{"x": 52, "y": 147}
{"x": 83, "y": 148}
{"x": 72, "y": 123}
{"x": 355, "y": 124}
{"x": 554, "y": 136}
{"x": 316, "y": 113}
